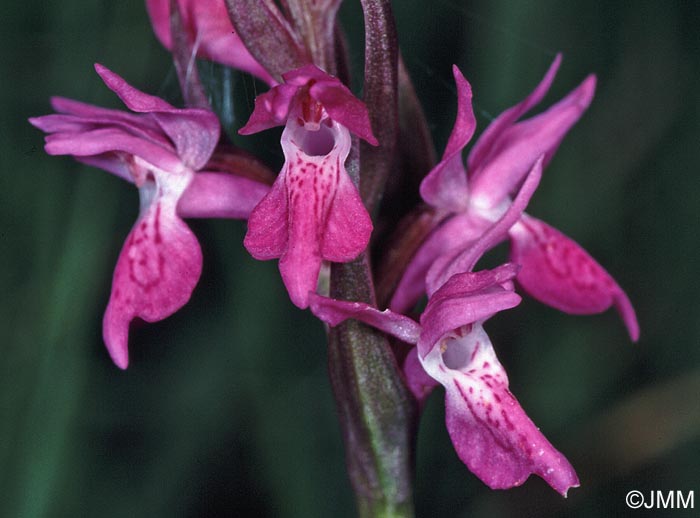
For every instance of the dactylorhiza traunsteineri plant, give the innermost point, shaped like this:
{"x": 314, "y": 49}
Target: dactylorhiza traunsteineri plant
{"x": 319, "y": 210}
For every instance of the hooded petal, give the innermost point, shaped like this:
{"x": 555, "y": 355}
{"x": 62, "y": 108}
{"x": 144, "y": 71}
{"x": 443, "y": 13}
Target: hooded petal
{"x": 445, "y": 187}
{"x": 193, "y": 131}
{"x": 464, "y": 299}
{"x": 271, "y": 109}
{"x": 340, "y": 103}
{"x": 158, "y": 266}
{"x": 558, "y": 272}
{"x": 516, "y": 148}
{"x": 211, "y": 30}
{"x": 489, "y": 430}
{"x": 220, "y": 195}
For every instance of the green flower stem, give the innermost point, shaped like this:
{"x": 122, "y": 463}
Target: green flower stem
{"x": 377, "y": 412}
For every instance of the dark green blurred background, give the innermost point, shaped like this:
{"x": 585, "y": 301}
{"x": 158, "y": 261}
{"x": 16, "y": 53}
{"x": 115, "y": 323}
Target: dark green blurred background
{"x": 226, "y": 409}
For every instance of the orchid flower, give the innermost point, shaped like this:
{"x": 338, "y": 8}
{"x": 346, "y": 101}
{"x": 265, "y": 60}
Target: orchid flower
{"x": 489, "y": 429}
{"x": 555, "y": 270}
{"x": 213, "y": 37}
{"x": 164, "y": 151}
{"x": 313, "y": 211}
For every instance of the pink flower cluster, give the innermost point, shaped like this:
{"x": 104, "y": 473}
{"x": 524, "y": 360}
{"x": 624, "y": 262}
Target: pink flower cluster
{"x": 313, "y": 213}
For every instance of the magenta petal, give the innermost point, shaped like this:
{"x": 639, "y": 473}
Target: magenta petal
{"x": 558, "y": 272}
{"x": 194, "y": 131}
{"x": 106, "y": 115}
{"x": 135, "y": 99}
{"x": 271, "y": 109}
{"x": 463, "y": 300}
{"x": 104, "y": 140}
{"x": 496, "y": 439}
{"x": 348, "y": 227}
{"x": 219, "y": 40}
{"x": 446, "y": 241}
{"x": 267, "y": 226}
{"x": 157, "y": 270}
{"x": 343, "y": 107}
{"x": 220, "y": 195}
{"x": 73, "y": 124}
{"x": 448, "y": 265}
{"x": 445, "y": 187}
{"x": 491, "y": 134}
{"x": 489, "y": 430}
{"x": 418, "y": 381}
{"x": 333, "y": 312}
{"x": 518, "y": 146}
{"x": 211, "y": 31}
{"x": 111, "y": 162}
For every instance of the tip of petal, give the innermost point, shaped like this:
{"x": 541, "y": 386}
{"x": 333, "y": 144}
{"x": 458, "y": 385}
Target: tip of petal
{"x": 121, "y": 361}
{"x": 103, "y": 71}
{"x": 629, "y": 317}
{"x": 565, "y": 492}
{"x": 115, "y": 334}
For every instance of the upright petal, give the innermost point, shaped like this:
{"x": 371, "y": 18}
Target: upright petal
{"x": 506, "y": 119}
{"x": 445, "y": 187}
{"x": 517, "y": 147}
{"x": 489, "y": 430}
{"x": 157, "y": 268}
{"x": 558, "y": 272}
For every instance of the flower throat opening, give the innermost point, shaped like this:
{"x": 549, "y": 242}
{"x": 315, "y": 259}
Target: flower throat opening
{"x": 318, "y": 142}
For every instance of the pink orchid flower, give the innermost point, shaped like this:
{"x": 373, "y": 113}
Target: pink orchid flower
{"x": 211, "y": 32}
{"x": 313, "y": 211}
{"x": 489, "y": 429}
{"x": 555, "y": 270}
{"x": 163, "y": 151}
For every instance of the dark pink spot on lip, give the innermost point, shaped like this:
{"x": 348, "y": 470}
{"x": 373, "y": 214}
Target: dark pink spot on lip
{"x": 474, "y": 352}
{"x": 156, "y": 226}
{"x": 509, "y": 424}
